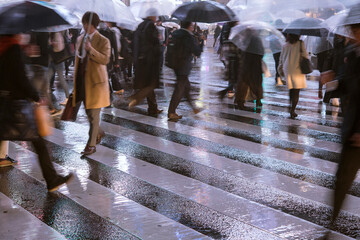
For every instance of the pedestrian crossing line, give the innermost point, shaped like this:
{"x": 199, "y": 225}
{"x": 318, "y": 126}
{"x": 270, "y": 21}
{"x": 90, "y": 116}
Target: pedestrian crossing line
{"x": 108, "y": 204}
{"x": 176, "y": 183}
{"x": 280, "y": 163}
{"x": 56, "y": 210}
{"x": 27, "y": 225}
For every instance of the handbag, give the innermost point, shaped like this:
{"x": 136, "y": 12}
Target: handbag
{"x": 43, "y": 120}
{"x": 17, "y": 122}
{"x": 70, "y": 112}
{"x": 305, "y": 64}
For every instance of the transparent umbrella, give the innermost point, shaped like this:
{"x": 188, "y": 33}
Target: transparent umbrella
{"x": 307, "y": 26}
{"x": 317, "y": 45}
{"x": 257, "y": 15}
{"x": 289, "y": 15}
{"x": 335, "y": 26}
{"x": 257, "y": 37}
{"x": 108, "y": 10}
{"x": 279, "y": 5}
{"x": 353, "y": 17}
{"x": 140, "y": 8}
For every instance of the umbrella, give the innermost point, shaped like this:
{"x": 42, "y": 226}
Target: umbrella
{"x": 205, "y": 11}
{"x": 307, "y": 26}
{"x": 317, "y": 45}
{"x": 256, "y": 37}
{"x": 353, "y": 16}
{"x": 140, "y": 8}
{"x": 257, "y": 15}
{"x": 334, "y": 24}
{"x": 289, "y": 15}
{"x": 24, "y": 16}
{"x": 108, "y": 10}
{"x": 171, "y": 25}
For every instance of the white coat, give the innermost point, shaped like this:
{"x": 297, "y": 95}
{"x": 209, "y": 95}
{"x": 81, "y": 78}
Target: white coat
{"x": 289, "y": 65}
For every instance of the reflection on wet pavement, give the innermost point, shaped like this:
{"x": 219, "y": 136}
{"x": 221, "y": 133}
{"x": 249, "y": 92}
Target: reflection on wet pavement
{"x": 222, "y": 174}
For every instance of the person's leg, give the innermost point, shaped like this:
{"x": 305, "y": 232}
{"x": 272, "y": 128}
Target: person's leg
{"x": 277, "y": 61}
{"x": 187, "y": 90}
{"x": 294, "y": 101}
{"x": 140, "y": 95}
{"x": 4, "y": 146}
{"x": 240, "y": 94}
{"x": 177, "y": 94}
{"x": 94, "y": 120}
{"x": 345, "y": 175}
{"x": 59, "y": 68}
{"x": 152, "y": 104}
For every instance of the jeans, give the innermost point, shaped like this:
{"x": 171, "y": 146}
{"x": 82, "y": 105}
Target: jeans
{"x": 59, "y": 69}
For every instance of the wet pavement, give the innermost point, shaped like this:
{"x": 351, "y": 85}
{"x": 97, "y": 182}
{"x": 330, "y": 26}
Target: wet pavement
{"x": 221, "y": 174}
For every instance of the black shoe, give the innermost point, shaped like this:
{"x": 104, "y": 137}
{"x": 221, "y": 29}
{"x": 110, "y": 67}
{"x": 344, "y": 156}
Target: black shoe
{"x": 59, "y": 182}
{"x": 293, "y": 115}
{"x": 155, "y": 112}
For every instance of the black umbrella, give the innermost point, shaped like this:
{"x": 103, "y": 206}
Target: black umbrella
{"x": 307, "y": 26}
{"x": 205, "y": 11}
{"x": 25, "y": 16}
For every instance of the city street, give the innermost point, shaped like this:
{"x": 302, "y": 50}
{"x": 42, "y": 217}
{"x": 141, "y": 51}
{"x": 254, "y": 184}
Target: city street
{"x": 221, "y": 174}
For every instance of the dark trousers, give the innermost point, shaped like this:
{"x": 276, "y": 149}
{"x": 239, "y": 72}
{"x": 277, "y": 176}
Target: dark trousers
{"x": 94, "y": 120}
{"x": 345, "y": 176}
{"x": 47, "y": 167}
{"x": 277, "y": 61}
{"x": 294, "y": 99}
{"x": 148, "y": 93}
{"x": 182, "y": 88}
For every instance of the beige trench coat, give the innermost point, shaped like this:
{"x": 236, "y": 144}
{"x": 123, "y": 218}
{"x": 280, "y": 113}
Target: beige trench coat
{"x": 97, "y": 94}
{"x": 289, "y": 65}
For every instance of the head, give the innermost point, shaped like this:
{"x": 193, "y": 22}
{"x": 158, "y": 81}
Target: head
{"x": 187, "y": 25}
{"x": 292, "y": 38}
{"x": 355, "y": 29}
{"x": 90, "y": 21}
{"x": 152, "y": 14}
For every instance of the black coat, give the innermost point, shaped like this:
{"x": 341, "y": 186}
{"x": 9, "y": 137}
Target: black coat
{"x": 351, "y": 88}
{"x": 190, "y": 48}
{"x": 146, "y": 55}
{"x": 13, "y": 78}
{"x": 42, "y": 40}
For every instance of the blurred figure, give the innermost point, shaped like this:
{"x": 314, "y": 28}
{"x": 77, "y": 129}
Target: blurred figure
{"x": 57, "y": 44}
{"x": 187, "y": 44}
{"x": 5, "y": 160}
{"x": 216, "y": 34}
{"x": 249, "y": 85}
{"x": 147, "y": 63}
{"x": 91, "y": 84}
{"x": 162, "y": 38}
{"x": 289, "y": 67}
{"x": 349, "y": 162}
{"x": 126, "y": 53}
{"x": 19, "y": 88}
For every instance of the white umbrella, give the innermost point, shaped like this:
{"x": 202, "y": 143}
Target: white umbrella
{"x": 289, "y": 15}
{"x": 334, "y": 24}
{"x": 171, "y": 25}
{"x": 257, "y": 15}
{"x": 108, "y": 10}
{"x": 140, "y": 8}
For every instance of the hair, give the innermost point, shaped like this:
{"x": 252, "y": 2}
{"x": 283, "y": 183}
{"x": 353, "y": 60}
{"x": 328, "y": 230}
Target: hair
{"x": 185, "y": 24}
{"x": 292, "y": 38}
{"x": 94, "y": 21}
{"x": 354, "y": 26}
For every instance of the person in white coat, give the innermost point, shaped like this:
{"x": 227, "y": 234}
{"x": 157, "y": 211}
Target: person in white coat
{"x": 289, "y": 67}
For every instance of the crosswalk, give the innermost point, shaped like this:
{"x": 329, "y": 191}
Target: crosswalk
{"x": 222, "y": 174}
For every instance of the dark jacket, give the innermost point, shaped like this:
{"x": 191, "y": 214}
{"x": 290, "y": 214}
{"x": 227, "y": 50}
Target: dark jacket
{"x": 146, "y": 55}
{"x": 351, "y": 88}
{"x": 190, "y": 48}
{"x": 13, "y": 79}
{"x": 42, "y": 40}
{"x": 109, "y": 34}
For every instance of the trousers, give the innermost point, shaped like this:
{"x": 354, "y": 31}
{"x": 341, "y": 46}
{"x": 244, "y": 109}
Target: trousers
{"x": 182, "y": 88}
{"x": 94, "y": 120}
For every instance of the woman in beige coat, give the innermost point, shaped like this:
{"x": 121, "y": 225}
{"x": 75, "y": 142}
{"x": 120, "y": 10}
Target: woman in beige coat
{"x": 289, "y": 67}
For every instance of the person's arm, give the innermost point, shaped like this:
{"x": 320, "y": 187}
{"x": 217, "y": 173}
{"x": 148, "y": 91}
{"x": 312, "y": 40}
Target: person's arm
{"x": 101, "y": 56}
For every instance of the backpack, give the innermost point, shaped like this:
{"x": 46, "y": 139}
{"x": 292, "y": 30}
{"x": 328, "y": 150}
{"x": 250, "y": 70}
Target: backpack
{"x": 175, "y": 53}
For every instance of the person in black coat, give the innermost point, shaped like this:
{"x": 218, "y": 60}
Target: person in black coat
{"x": 349, "y": 160}
{"x": 14, "y": 85}
{"x": 147, "y": 63}
{"x": 190, "y": 48}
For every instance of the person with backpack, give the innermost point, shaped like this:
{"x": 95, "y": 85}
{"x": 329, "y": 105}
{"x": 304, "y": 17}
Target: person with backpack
{"x": 181, "y": 49}
{"x": 147, "y": 62}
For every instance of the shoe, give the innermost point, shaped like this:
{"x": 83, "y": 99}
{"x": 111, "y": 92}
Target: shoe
{"x": 155, "y": 112}
{"x": 231, "y": 94}
{"x": 241, "y": 106}
{"x": 59, "y": 182}
{"x": 100, "y": 135}
{"x": 279, "y": 82}
{"x": 197, "y": 110}
{"x": 7, "y": 161}
{"x": 89, "y": 150}
{"x": 293, "y": 115}
{"x": 55, "y": 112}
{"x": 120, "y": 92}
{"x": 132, "y": 103}
{"x": 64, "y": 102}
{"x": 174, "y": 116}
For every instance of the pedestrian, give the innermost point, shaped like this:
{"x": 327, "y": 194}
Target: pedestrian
{"x": 91, "y": 84}
{"x": 57, "y": 45}
{"x": 289, "y": 67}
{"x": 250, "y": 77}
{"x": 185, "y": 42}
{"x": 216, "y": 34}
{"x": 147, "y": 62}
{"x": 349, "y": 160}
{"x": 127, "y": 53}
{"x": 162, "y": 38}
{"x": 16, "y": 87}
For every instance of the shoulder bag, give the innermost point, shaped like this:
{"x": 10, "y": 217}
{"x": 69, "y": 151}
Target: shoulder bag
{"x": 305, "y": 64}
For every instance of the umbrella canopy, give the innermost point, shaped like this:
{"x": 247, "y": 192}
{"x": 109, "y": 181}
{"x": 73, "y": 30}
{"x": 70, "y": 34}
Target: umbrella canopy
{"x": 317, "y": 45}
{"x": 171, "y": 25}
{"x": 140, "y": 9}
{"x": 289, "y": 15}
{"x": 257, "y": 37}
{"x": 307, "y": 26}
{"x": 24, "y": 16}
{"x": 257, "y": 15}
{"x": 353, "y": 16}
{"x": 108, "y": 10}
{"x": 205, "y": 11}
{"x": 334, "y": 24}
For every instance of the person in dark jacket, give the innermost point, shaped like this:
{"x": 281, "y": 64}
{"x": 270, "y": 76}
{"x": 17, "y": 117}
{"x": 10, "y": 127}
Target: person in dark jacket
{"x": 14, "y": 85}
{"x": 216, "y": 34}
{"x": 191, "y": 48}
{"x": 349, "y": 160}
{"x": 147, "y": 63}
